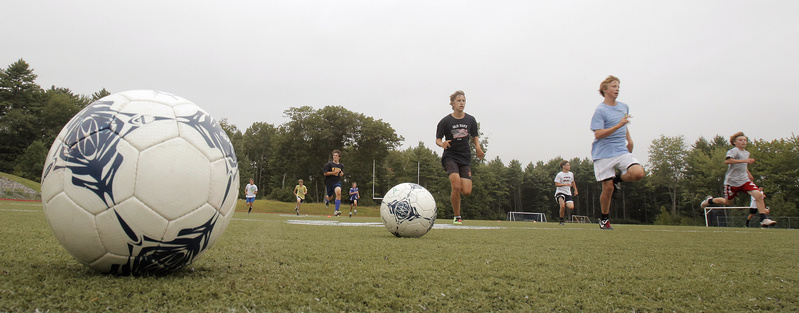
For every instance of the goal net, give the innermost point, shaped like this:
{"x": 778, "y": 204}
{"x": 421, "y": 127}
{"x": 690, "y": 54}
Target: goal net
{"x": 580, "y": 219}
{"x": 727, "y": 216}
{"x": 527, "y": 216}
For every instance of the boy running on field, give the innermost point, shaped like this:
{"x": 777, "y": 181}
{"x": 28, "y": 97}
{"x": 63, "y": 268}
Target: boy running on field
{"x": 354, "y": 196}
{"x": 613, "y": 146}
{"x": 299, "y": 191}
{"x": 453, "y": 134}
{"x": 738, "y": 179}
{"x": 250, "y": 190}
{"x": 564, "y": 182}
{"x": 333, "y": 171}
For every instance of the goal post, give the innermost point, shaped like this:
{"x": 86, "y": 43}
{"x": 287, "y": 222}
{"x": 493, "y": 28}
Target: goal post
{"x": 374, "y": 178}
{"x": 527, "y": 216}
{"x": 373, "y": 182}
{"x": 580, "y": 219}
{"x": 707, "y": 211}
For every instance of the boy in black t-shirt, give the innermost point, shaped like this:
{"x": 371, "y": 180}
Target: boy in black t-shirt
{"x": 453, "y": 134}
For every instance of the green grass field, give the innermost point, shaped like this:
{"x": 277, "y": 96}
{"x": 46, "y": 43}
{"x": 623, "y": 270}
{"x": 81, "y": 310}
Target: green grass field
{"x": 281, "y": 262}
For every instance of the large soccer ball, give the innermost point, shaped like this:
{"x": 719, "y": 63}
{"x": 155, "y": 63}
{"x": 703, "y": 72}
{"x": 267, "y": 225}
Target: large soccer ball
{"x": 140, "y": 182}
{"x": 408, "y": 210}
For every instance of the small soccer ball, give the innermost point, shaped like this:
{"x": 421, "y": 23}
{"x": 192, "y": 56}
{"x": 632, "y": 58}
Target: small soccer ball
{"x": 408, "y": 210}
{"x": 140, "y": 182}
{"x": 338, "y": 213}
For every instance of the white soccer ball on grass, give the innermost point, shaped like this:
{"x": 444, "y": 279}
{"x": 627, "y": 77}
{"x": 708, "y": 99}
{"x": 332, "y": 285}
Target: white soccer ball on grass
{"x": 140, "y": 182}
{"x": 408, "y": 210}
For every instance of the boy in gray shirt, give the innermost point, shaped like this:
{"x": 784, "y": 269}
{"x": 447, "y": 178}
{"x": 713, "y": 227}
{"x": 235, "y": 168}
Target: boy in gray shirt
{"x": 738, "y": 179}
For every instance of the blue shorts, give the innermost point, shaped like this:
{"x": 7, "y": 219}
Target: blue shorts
{"x": 250, "y": 199}
{"x": 331, "y": 190}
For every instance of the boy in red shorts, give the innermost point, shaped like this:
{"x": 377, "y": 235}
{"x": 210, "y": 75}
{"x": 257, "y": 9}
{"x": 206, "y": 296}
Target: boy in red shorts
{"x": 739, "y": 179}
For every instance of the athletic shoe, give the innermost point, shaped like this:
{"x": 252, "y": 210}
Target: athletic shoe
{"x": 356, "y": 212}
{"x": 350, "y": 214}
{"x": 457, "y": 221}
{"x": 705, "y": 203}
{"x": 327, "y": 203}
{"x": 297, "y": 210}
{"x": 747, "y": 224}
{"x": 605, "y": 224}
{"x": 768, "y": 222}
{"x": 616, "y": 190}
{"x": 562, "y": 223}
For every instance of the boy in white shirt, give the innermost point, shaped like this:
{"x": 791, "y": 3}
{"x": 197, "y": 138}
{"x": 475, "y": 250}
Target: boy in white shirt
{"x": 250, "y": 191}
{"x": 564, "y": 182}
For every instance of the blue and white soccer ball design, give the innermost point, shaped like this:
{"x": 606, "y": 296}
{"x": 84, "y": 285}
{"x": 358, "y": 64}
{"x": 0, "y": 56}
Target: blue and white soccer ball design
{"x": 408, "y": 210}
{"x": 140, "y": 182}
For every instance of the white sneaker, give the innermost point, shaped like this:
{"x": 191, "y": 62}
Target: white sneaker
{"x": 705, "y": 203}
{"x": 768, "y": 222}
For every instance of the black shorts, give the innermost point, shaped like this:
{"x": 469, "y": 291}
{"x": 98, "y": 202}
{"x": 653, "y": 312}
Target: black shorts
{"x": 331, "y": 189}
{"x": 753, "y": 211}
{"x": 566, "y": 198}
{"x": 465, "y": 171}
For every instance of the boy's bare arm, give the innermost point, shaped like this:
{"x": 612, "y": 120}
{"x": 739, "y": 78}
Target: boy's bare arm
{"x": 478, "y": 148}
{"x": 734, "y": 161}
{"x": 603, "y": 133}
{"x": 629, "y": 141}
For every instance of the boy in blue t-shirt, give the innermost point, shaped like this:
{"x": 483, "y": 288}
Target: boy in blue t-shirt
{"x": 354, "y": 196}
{"x": 612, "y": 148}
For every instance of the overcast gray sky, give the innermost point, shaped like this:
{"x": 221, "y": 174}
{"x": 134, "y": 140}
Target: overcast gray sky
{"x": 530, "y": 69}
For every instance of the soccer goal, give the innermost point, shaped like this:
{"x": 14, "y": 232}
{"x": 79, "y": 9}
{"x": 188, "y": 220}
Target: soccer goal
{"x": 725, "y": 218}
{"x": 580, "y": 219}
{"x": 527, "y": 216}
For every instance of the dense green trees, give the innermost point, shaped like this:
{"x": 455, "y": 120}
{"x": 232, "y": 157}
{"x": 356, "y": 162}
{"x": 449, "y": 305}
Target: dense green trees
{"x": 667, "y": 164}
{"x": 276, "y": 156}
{"x": 30, "y": 118}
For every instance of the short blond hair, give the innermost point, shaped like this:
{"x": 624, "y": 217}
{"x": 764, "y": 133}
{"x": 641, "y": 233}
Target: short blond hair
{"x": 735, "y": 136}
{"x": 455, "y": 95}
{"x": 606, "y": 82}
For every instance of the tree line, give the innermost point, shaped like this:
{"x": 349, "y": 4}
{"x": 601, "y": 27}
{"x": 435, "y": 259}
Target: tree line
{"x": 276, "y": 156}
